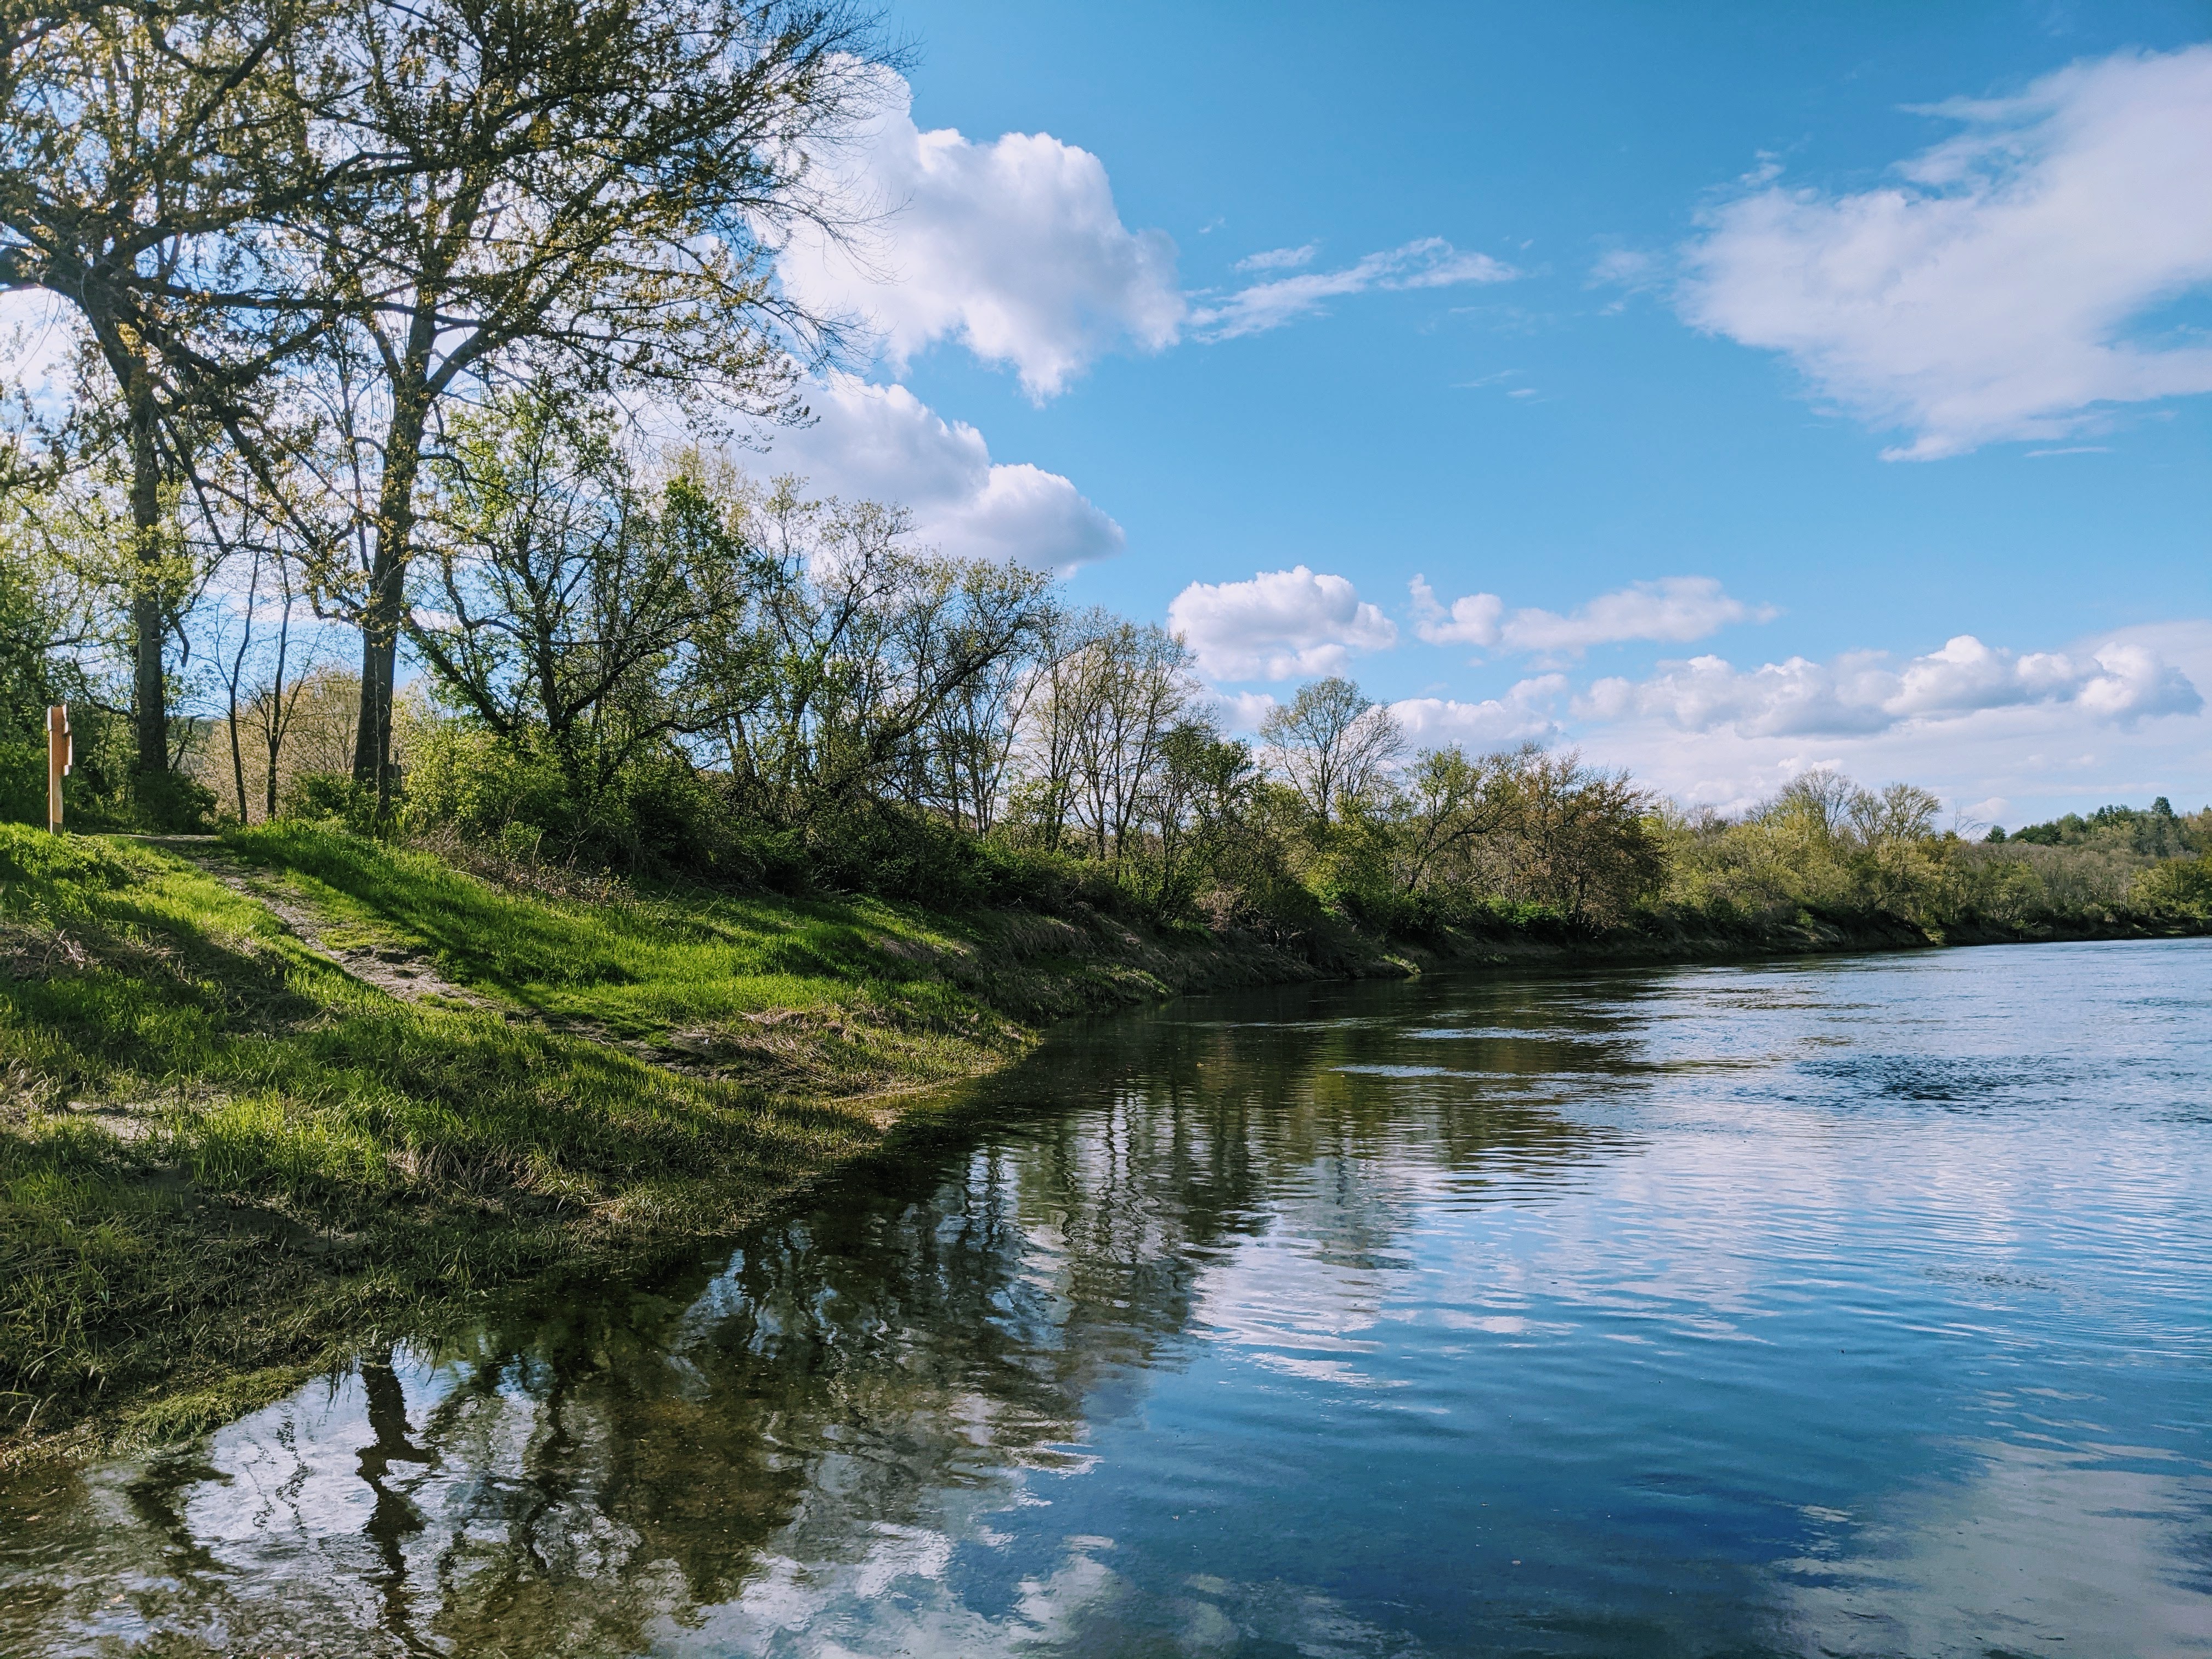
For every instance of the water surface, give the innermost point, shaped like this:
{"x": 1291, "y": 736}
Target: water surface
{"x": 1859, "y": 1306}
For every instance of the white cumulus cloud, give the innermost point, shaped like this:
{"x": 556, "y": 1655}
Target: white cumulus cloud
{"x": 1013, "y": 247}
{"x": 2019, "y": 736}
{"x": 1525, "y": 711}
{"x": 883, "y": 443}
{"x": 1472, "y": 620}
{"x": 1988, "y": 295}
{"x": 1674, "y": 610}
{"x": 1243, "y": 711}
{"x": 1862, "y": 694}
{"x": 1427, "y": 262}
{"x": 1281, "y": 624}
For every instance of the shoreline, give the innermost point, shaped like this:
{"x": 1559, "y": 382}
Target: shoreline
{"x": 370, "y": 1117}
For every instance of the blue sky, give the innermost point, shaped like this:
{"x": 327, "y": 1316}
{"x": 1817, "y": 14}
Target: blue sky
{"x": 1722, "y": 390}
{"x": 1818, "y": 336}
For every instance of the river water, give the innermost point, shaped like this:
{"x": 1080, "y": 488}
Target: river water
{"x": 1853, "y": 1306}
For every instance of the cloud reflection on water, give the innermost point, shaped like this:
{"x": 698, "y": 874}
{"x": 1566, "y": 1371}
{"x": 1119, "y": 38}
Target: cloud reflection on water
{"x": 1210, "y": 1335}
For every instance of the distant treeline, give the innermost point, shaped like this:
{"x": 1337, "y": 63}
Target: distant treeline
{"x": 2156, "y": 831}
{"x": 653, "y": 664}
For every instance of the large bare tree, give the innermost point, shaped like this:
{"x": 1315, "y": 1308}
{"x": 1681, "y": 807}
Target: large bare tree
{"x": 857, "y": 648}
{"x": 1332, "y": 741}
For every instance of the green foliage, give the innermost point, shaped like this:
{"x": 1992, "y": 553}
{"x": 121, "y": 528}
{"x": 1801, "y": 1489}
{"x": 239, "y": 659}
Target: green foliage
{"x": 171, "y": 801}
{"x": 2155, "y": 832}
{"x": 335, "y": 798}
{"x": 1827, "y": 850}
{"x": 1823, "y": 847}
{"x": 649, "y": 813}
{"x": 39, "y": 623}
{"x": 2178, "y": 888}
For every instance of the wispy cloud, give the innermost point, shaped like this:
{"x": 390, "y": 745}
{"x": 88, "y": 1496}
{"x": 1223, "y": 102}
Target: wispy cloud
{"x": 1014, "y": 248}
{"x": 1989, "y": 295}
{"x": 1427, "y": 262}
{"x": 1279, "y": 258}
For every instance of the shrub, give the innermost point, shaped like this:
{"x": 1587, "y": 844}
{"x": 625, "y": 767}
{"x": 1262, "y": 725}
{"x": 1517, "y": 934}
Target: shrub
{"x": 331, "y": 797}
{"x": 169, "y": 800}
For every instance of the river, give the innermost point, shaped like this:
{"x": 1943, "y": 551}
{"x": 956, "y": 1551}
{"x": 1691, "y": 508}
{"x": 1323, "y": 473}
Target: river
{"x": 1852, "y": 1306}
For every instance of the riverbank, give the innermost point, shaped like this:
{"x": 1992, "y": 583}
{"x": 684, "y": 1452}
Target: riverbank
{"x": 269, "y": 1098}
{"x": 264, "y": 1098}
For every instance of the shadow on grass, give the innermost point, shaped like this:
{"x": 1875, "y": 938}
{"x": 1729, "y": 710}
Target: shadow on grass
{"x": 526, "y": 945}
{"x": 278, "y": 1159}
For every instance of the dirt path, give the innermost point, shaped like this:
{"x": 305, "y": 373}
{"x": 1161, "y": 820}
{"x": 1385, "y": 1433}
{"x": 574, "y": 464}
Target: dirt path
{"x": 400, "y": 971}
{"x": 412, "y": 974}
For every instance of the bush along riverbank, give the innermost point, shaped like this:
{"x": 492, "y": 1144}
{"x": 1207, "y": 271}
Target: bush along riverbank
{"x": 272, "y": 1095}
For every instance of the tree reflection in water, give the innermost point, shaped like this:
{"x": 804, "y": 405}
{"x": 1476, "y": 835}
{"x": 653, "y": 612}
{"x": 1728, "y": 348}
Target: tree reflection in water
{"x": 598, "y": 1469}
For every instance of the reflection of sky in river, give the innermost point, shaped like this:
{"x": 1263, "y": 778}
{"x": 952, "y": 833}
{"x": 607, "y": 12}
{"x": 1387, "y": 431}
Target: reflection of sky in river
{"x": 1854, "y": 1306}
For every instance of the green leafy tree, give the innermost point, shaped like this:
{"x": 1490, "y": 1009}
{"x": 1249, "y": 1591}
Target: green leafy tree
{"x": 1448, "y": 806}
{"x": 590, "y": 187}
{"x": 564, "y": 600}
{"x": 144, "y": 150}
{"x": 1579, "y": 840}
{"x": 2176, "y": 888}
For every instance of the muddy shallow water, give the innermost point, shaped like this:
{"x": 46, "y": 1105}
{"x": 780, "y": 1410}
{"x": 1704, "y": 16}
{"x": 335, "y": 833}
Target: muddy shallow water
{"x": 1855, "y": 1306}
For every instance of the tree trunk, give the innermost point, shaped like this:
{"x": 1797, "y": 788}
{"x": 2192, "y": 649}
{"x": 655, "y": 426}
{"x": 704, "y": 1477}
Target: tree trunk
{"x": 279, "y": 710}
{"x": 148, "y": 617}
{"x": 237, "y": 757}
{"x": 386, "y": 607}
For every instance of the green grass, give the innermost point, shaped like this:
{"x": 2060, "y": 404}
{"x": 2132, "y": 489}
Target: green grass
{"x": 224, "y": 1158}
{"x": 859, "y": 978}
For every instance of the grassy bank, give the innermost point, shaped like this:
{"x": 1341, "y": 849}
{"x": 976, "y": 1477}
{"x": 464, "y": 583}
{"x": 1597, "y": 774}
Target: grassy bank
{"x": 267, "y": 1097}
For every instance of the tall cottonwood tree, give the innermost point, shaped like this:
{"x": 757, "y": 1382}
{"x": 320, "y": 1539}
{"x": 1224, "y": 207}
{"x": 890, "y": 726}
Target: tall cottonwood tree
{"x": 586, "y": 186}
{"x": 144, "y": 149}
{"x": 1332, "y": 741}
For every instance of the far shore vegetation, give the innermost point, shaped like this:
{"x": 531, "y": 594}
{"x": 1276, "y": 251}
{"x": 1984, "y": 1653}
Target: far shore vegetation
{"x": 505, "y": 836}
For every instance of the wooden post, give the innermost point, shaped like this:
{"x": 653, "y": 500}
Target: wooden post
{"x": 61, "y": 752}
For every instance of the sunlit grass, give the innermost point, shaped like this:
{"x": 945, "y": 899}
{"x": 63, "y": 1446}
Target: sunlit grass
{"x": 220, "y": 1154}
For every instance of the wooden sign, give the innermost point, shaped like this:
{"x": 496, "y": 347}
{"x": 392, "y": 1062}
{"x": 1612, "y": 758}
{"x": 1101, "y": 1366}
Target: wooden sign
{"x": 61, "y": 754}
